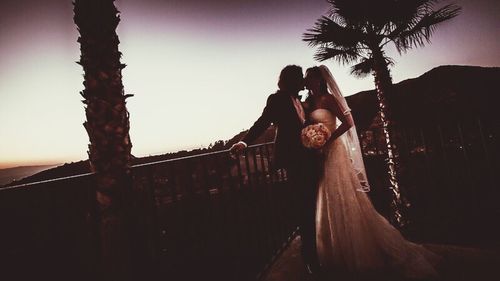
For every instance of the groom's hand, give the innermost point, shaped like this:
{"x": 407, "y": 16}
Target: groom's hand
{"x": 237, "y": 148}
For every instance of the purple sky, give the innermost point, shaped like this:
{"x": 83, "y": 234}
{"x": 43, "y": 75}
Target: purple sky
{"x": 225, "y": 55}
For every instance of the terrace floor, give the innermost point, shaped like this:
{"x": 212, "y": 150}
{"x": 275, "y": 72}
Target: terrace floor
{"x": 460, "y": 264}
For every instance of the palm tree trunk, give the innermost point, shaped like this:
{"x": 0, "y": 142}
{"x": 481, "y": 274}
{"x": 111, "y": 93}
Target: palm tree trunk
{"x": 383, "y": 85}
{"x": 107, "y": 126}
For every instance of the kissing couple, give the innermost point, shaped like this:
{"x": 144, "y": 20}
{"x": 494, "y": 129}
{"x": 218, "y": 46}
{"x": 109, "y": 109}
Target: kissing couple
{"x": 318, "y": 146}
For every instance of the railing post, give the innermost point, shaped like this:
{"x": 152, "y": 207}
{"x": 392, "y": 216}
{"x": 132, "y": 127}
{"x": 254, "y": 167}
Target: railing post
{"x": 487, "y": 156}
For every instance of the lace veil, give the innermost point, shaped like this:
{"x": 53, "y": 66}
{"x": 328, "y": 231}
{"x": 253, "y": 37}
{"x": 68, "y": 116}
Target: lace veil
{"x": 349, "y": 138}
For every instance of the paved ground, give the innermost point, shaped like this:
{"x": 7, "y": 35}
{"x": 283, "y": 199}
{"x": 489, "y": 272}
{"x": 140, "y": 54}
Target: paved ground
{"x": 460, "y": 264}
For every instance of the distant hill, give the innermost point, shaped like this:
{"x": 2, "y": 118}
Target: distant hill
{"x": 443, "y": 92}
{"x": 82, "y": 167}
{"x": 11, "y": 174}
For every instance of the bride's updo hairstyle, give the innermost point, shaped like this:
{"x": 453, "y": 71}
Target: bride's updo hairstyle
{"x": 291, "y": 78}
{"x": 316, "y": 72}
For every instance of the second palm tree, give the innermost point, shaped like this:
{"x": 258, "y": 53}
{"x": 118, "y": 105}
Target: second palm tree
{"x": 356, "y": 32}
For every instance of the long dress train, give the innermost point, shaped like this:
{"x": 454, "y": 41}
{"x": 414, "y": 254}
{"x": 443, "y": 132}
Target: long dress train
{"x": 351, "y": 235}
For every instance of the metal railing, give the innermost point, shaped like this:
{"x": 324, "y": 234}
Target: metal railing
{"x": 217, "y": 216}
{"x": 203, "y": 215}
{"x": 212, "y": 217}
{"x": 447, "y": 170}
{"x": 46, "y": 230}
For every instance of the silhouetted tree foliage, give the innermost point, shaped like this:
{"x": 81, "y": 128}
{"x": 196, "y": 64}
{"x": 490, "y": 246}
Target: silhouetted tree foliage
{"x": 357, "y": 31}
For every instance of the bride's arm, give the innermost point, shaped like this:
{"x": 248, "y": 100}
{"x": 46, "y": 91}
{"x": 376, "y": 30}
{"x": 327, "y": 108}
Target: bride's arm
{"x": 345, "y": 117}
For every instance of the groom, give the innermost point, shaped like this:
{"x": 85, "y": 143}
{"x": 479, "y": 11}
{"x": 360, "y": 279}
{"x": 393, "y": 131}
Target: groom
{"x": 284, "y": 110}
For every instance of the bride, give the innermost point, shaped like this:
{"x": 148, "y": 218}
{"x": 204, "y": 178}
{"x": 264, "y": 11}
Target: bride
{"x": 351, "y": 236}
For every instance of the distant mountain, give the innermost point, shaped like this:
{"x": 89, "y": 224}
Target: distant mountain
{"x": 443, "y": 92}
{"x": 82, "y": 167}
{"x": 12, "y": 174}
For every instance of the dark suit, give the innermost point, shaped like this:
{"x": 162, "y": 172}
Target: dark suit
{"x": 281, "y": 112}
{"x": 300, "y": 163}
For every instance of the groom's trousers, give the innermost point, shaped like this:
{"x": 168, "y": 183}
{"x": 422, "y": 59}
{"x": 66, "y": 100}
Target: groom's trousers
{"x": 304, "y": 176}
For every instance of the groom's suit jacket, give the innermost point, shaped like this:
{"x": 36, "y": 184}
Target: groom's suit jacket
{"x": 281, "y": 112}
{"x": 301, "y": 163}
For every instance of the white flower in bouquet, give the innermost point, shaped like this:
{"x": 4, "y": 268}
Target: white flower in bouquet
{"x": 315, "y": 136}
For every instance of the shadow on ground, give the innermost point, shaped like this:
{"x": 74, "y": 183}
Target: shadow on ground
{"x": 459, "y": 264}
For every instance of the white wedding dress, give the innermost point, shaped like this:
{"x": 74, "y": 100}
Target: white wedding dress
{"x": 351, "y": 235}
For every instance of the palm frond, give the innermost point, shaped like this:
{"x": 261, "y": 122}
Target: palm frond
{"x": 406, "y": 10}
{"x": 366, "y": 12}
{"x": 367, "y": 65}
{"x": 421, "y": 31}
{"x": 327, "y": 31}
{"x": 363, "y": 68}
{"x": 343, "y": 56}
{"x": 407, "y": 15}
{"x": 389, "y": 61}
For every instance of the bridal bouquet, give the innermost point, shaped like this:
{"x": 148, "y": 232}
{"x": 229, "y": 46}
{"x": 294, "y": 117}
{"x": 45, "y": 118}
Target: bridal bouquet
{"x": 315, "y": 136}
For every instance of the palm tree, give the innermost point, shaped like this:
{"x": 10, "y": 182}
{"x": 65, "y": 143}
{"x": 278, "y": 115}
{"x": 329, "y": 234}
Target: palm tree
{"x": 107, "y": 126}
{"x": 357, "y": 32}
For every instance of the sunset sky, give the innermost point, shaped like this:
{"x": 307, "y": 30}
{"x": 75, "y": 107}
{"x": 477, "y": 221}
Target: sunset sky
{"x": 200, "y": 70}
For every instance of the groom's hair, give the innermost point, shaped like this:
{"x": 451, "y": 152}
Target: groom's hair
{"x": 291, "y": 77}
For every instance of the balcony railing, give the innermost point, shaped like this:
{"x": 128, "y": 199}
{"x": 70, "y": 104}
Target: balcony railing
{"x": 204, "y": 215}
{"x": 212, "y": 217}
{"x": 217, "y": 216}
{"x": 46, "y": 229}
{"x": 448, "y": 172}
